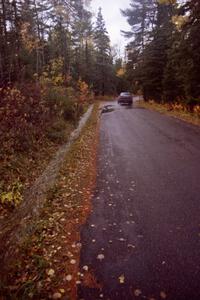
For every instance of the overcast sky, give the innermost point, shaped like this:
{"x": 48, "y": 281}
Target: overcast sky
{"x": 113, "y": 18}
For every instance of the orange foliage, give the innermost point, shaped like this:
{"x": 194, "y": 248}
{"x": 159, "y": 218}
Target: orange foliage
{"x": 83, "y": 91}
{"x": 178, "y": 106}
{"x": 20, "y": 115}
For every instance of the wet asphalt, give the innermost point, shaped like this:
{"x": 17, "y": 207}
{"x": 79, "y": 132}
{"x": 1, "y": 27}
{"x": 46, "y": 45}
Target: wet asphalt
{"x": 142, "y": 239}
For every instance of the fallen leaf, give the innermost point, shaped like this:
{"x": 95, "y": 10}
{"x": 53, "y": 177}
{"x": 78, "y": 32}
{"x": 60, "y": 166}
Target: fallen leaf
{"x": 72, "y": 261}
{"x": 122, "y": 240}
{"x": 85, "y": 268}
{"x": 137, "y": 292}
{"x": 163, "y": 295}
{"x": 69, "y": 277}
{"x": 131, "y": 246}
{"x": 100, "y": 256}
{"x": 50, "y": 272}
{"x": 121, "y": 279}
{"x": 57, "y": 296}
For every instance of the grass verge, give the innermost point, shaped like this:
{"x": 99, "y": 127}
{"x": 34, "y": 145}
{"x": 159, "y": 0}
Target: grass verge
{"x": 187, "y": 116}
{"x": 47, "y": 264}
{"x": 105, "y": 98}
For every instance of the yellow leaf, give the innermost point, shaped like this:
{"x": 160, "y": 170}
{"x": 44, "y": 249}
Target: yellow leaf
{"x": 122, "y": 279}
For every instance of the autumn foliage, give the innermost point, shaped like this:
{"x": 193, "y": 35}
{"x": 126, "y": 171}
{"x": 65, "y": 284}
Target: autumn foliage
{"x": 191, "y": 106}
{"x": 33, "y": 117}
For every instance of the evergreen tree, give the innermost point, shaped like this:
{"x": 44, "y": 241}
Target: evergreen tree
{"x": 36, "y": 35}
{"x": 81, "y": 41}
{"x": 155, "y": 54}
{"x": 190, "y": 49}
{"x": 103, "y": 62}
{"x": 165, "y": 62}
{"x": 141, "y": 19}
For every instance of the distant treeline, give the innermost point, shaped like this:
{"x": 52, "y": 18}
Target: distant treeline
{"x": 164, "y": 52}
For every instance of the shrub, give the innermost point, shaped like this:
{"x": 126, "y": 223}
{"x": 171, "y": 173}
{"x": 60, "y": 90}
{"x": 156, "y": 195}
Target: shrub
{"x": 59, "y": 132}
{"x": 61, "y": 102}
{"x": 192, "y": 103}
{"x": 13, "y": 196}
{"x": 21, "y": 118}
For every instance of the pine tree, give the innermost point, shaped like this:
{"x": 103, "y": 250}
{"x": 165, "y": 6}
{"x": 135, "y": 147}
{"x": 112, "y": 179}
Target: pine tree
{"x": 141, "y": 19}
{"x": 190, "y": 48}
{"x": 155, "y": 54}
{"x": 103, "y": 62}
{"x": 148, "y": 52}
{"x": 81, "y": 41}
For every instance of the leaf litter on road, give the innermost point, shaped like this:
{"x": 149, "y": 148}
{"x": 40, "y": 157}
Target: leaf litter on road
{"x": 100, "y": 256}
{"x": 121, "y": 279}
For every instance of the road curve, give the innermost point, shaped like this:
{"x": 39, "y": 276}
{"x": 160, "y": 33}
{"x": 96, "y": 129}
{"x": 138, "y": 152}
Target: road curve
{"x": 142, "y": 240}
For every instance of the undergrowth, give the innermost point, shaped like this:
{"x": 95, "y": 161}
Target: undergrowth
{"x": 182, "y": 111}
{"x": 47, "y": 264}
{"x": 34, "y": 121}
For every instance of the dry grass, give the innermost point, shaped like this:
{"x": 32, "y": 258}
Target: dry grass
{"x": 177, "y": 111}
{"x": 105, "y": 98}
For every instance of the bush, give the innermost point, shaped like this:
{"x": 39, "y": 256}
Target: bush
{"x": 13, "y": 196}
{"x": 61, "y": 101}
{"x": 59, "y": 132}
{"x": 192, "y": 103}
{"x": 30, "y": 117}
{"x": 22, "y": 117}
{"x": 197, "y": 110}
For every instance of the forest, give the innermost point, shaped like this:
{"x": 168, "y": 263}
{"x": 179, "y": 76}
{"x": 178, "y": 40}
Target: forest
{"x": 164, "y": 50}
{"x": 55, "y": 56}
{"x": 53, "y": 41}
{"x": 57, "y": 63}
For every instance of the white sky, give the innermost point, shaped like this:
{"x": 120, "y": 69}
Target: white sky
{"x": 113, "y": 18}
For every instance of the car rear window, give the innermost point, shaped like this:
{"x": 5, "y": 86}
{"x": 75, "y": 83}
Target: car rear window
{"x": 125, "y": 94}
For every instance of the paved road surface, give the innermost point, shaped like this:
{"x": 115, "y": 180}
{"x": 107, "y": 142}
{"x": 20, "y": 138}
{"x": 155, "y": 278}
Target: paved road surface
{"x": 145, "y": 222}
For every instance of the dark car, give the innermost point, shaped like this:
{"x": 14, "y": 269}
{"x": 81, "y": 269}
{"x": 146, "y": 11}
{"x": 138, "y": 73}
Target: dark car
{"x": 125, "y": 98}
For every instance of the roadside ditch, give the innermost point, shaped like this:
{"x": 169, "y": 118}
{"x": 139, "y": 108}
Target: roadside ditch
{"x": 40, "y": 244}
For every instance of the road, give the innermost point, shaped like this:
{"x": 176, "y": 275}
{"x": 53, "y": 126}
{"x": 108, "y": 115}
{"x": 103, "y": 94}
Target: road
{"x": 142, "y": 239}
